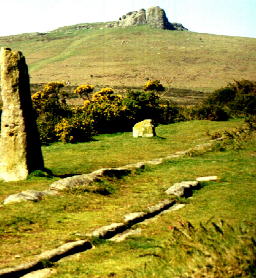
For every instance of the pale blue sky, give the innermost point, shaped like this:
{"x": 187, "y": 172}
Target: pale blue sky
{"x": 226, "y": 17}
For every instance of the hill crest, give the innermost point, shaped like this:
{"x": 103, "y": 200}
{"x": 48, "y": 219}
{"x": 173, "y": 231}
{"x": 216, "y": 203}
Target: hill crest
{"x": 153, "y": 16}
{"x": 89, "y": 53}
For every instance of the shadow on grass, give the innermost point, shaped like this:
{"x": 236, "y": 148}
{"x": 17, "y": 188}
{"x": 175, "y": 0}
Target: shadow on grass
{"x": 47, "y": 173}
{"x": 161, "y": 138}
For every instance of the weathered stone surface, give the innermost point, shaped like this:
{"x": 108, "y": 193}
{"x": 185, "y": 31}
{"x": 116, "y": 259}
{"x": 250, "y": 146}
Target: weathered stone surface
{"x": 107, "y": 231}
{"x": 20, "y": 148}
{"x": 154, "y": 16}
{"x": 87, "y": 179}
{"x": 209, "y": 178}
{"x": 133, "y": 216}
{"x": 136, "y": 166}
{"x": 133, "y": 18}
{"x": 28, "y": 195}
{"x": 144, "y": 129}
{"x": 182, "y": 188}
{"x": 155, "y": 161}
{"x": 160, "y": 206}
{"x": 179, "y": 27}
{"x": 157, "y": 18}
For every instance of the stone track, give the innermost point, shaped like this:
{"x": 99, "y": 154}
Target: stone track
{"x": 116, "y": 231}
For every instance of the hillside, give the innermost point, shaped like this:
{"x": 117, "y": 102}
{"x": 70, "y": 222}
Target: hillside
{"x": 220, "y": 241}
{"x": 126, "y": 57}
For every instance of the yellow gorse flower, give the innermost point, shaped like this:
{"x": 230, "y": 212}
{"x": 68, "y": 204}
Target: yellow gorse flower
{"x": 84, "y": 89}
{"x": 86, "y": 103}
{"x": 53, "y": 86}
{"x": 153, "y": 85}
{"x": 103, "y": 95}
{"x": 106, "y": 91}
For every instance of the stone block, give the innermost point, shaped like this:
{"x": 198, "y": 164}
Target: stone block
{"x": 20, "y": 148}
{"x": 144, "y": 129}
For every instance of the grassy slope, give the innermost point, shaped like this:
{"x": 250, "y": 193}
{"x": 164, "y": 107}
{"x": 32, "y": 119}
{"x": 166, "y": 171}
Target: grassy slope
{"x": 154, "y": 253}
{"x": 126, "y": 57}
{"x": 32, "y": 228}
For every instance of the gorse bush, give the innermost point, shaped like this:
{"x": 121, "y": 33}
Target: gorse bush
{"x": 153, "y": 85}
{"x": 104, "y": 94}
{"x": 74, "y": 129}
{"x": 222, "y": 96}
{"x": 50, "y": 107}
{"x": 142, "y": 105}
{"x": 170, "y": 113}
{"x": 50, "y": 99}
{"x": 245, "y": 101}
{"x": 210, "y": 112}
{"x": 46, "y": 124}
{"x": 148, "y": 105}
{"x": 237, "y": 98}
{"x": 104, "y": 111}
{"x": 84, "y": 90}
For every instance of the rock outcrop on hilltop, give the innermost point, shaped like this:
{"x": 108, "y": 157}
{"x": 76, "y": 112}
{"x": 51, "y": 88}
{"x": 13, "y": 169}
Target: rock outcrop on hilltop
{"x": 154, "y": 16}
{"x": 179, "y": 27}
{"x": 132, "y": 18}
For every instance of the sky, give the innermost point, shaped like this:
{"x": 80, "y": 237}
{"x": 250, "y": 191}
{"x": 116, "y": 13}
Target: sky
{"x": 223, "y": 17}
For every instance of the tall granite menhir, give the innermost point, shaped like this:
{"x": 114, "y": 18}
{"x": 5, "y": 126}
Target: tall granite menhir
{"x": 20, "y": 148}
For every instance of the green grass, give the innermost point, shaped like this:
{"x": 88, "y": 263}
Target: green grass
{"x": 26, "y": 229}
{"x": 126, "y": 57}
{"x": 167, "y": 248}
{"x": 113, "y": 150}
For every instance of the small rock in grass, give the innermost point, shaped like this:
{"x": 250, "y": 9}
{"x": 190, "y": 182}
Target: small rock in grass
{"x": 181, "y": 189}
{"x": 210, "y": 178}
{"x": 27, "y": 195}
{"x": 144, "y": 129}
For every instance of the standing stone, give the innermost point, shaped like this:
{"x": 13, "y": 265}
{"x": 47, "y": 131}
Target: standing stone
{"x": 20, "y": 149}
{"x": 144, "y": 129}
